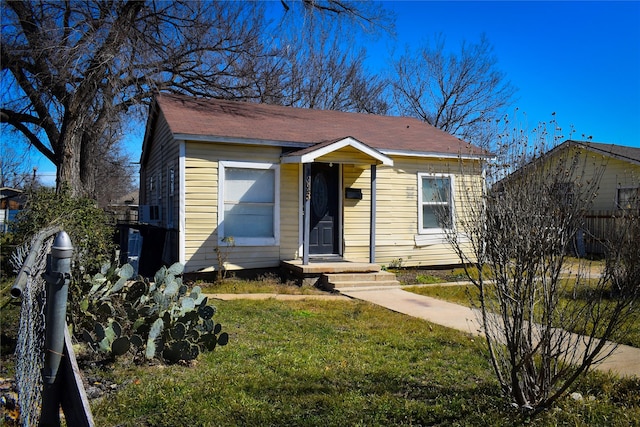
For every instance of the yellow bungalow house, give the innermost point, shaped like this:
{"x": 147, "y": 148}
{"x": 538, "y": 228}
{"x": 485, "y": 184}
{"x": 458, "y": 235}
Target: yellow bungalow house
{"x": 613, "y": 169}
{"x": 620, "y": 181}
{"x": 265, "y": 184}
{"x": 618, "y": 190}
{"x": 617, "y": 167}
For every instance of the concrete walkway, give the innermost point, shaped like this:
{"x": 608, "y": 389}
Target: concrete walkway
{"x": 625, "y": 360}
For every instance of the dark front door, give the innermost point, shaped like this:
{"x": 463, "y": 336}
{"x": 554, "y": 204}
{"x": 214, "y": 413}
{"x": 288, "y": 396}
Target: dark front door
{"x": 323, "y": 235}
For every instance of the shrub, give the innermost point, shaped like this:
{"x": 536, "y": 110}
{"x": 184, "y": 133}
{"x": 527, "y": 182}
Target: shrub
{"x": 7, "y": 247}
{"x": 88, "y": 226}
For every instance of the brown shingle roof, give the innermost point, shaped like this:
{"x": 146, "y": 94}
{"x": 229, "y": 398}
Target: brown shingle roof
{"x": 249, "y": 121}
{"x": 622, "y": 152}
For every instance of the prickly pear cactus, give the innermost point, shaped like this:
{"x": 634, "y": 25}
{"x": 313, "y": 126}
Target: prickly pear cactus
{"x": 107, "y": 339}
{"x": 163, "y": 319}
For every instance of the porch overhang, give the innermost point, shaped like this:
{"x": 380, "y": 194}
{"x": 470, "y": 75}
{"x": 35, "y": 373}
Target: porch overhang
{"x": 344, "y": 150}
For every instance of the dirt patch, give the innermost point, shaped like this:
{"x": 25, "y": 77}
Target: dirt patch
{"x": 415, "y": 276}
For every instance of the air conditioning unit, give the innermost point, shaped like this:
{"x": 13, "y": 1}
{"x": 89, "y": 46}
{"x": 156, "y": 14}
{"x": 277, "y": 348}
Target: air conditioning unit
{"x": 149, "y": 214}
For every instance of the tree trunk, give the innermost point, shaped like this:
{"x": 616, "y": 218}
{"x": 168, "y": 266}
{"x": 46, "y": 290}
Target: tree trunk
{"x": 75, "y": 161}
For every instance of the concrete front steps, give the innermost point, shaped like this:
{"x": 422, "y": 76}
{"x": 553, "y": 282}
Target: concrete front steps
{"x": 337, "y": 274}
{"x": 341, "y": 281}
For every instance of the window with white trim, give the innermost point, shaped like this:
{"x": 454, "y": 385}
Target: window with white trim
{"x": 248, "y": 208}
{"x": 152, "y": 188}
{"x": 435, "y": 203}
{"x": 171, "y": 190}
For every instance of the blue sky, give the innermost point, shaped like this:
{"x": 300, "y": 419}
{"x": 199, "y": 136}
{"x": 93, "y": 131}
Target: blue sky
{"x": 580, "y": 60}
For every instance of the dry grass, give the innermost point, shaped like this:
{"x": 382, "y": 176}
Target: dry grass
{"x": 267, "y": 283}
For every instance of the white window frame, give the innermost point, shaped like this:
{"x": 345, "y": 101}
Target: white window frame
{"x": 249, "y": 241}
{"x": 151, "y": 189}
{"x": 171, "y": 191}
{"x": 439, "y": 231}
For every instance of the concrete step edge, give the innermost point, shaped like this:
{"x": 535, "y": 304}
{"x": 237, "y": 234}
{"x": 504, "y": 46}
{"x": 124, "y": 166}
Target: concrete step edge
{"x": 359, "y": 278}
{"x": 346, "y": 289}
{"x": 363, "y": 283}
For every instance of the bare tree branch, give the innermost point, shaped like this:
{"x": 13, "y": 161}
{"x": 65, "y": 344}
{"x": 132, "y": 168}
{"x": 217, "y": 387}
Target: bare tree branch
{"x": 454, "y": 92}
{"x": 18, "y": 121}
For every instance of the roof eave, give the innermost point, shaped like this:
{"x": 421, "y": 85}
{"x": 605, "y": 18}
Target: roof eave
{"x": 437, "y": 155}
{"x": 599, "y": 148}
{"x": 241, "y": 141}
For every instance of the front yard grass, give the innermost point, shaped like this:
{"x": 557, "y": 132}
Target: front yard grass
{"x": 331, "y": 363}
{"x": 339, "y": 363}
{"x": 464, "y": 294}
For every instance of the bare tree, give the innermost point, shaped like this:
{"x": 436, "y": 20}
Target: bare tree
{"x": 371, "y": 18}
{"x": 13, "y": 170}
{"x": 543, "y": 330}
{"x": 74, "y": 69}
{"x": 324, "y": 73}
{"x": 458, "y": 93}
{"x": 115, "y": 177}
{"x": 317, "y": 58}
{"x": 12, "y": 174}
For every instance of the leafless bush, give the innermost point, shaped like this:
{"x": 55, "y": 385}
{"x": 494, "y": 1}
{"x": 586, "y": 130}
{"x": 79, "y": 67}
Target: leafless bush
{"x": 543, "y": 330}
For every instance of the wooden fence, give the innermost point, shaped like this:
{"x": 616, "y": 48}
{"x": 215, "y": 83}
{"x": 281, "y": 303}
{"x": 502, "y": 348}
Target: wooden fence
{"x": 127, "y": 214}
{"x": 599, "y": 227}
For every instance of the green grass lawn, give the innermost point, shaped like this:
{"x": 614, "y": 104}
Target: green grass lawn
{"x": 338, "y": 363}
{"x": 330, "y": 363}
{"x": 465, "y": 294}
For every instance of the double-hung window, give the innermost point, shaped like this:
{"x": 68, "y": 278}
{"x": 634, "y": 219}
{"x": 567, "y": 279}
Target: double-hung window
{"x": 435, "y": 203}
{"x": 248, "y": 208}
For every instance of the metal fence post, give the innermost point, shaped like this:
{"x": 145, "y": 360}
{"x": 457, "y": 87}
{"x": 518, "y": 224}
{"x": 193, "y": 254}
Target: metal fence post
{"x": 57, "y": 275}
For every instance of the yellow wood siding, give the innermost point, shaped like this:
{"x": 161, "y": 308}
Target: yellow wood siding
{"x": 346, "y": 155}
{"x": 163, "y": 156}
{"x": 397, "y": 211}
{"x": 289, "y": 211}
{"x": 201, "y": 207}
{"x": 397, "y": 206}
{"x": 617, "y": 174}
